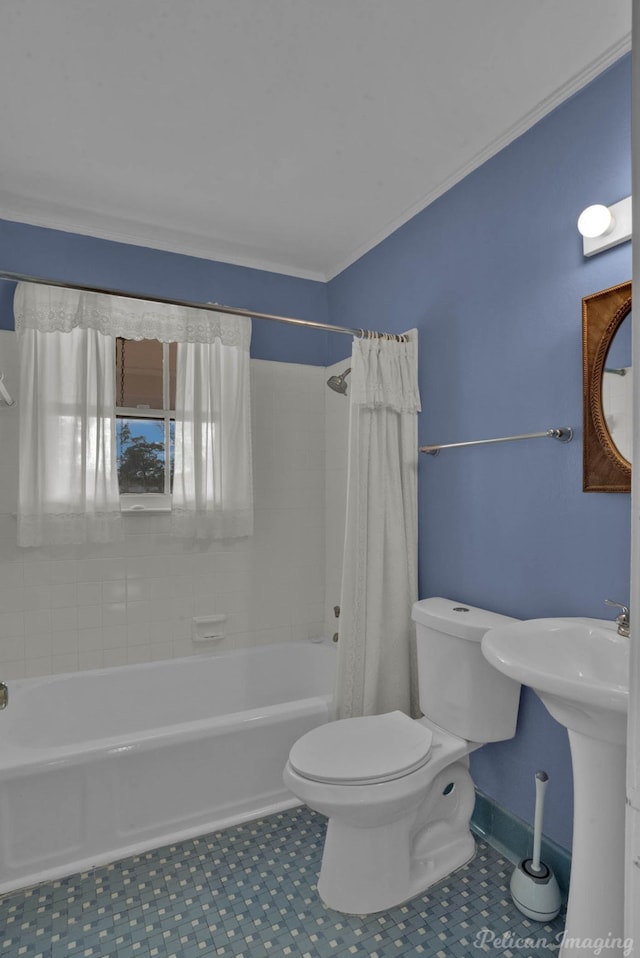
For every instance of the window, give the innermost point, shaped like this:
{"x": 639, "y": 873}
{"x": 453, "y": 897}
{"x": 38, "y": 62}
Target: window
{"x": 145, "y": 422}
{"x": 84, "y": 385}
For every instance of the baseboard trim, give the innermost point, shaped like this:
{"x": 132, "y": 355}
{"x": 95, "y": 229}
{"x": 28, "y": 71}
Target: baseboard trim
{"x": 513, "y": 838}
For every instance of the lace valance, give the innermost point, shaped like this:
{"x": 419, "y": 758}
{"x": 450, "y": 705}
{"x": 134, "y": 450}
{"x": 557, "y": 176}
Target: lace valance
{"x": 385, "y": 373}
{"x": 57, "y": 309}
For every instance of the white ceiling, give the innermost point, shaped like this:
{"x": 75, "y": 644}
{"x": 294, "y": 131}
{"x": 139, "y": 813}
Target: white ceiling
{"x": 290, "y": 135}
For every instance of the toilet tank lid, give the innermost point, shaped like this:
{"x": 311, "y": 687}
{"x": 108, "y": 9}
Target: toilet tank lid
{"x": 456, "y": 618}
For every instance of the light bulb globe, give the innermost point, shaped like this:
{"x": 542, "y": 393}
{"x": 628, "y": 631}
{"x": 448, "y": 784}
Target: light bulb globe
{"x": 596, "y": 221}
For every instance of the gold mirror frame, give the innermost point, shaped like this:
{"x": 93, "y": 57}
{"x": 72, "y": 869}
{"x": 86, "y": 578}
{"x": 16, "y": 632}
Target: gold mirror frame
{"x": 604, "y": 468}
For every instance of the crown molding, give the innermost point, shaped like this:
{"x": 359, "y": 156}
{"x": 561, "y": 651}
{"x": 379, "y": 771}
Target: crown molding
{"x": 67, "y": 219}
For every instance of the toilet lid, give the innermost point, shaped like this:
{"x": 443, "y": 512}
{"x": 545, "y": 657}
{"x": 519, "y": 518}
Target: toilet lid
{"x": 362, "y": 751}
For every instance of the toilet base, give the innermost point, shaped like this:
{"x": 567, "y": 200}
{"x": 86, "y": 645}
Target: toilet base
{"x": 366, "y": 870}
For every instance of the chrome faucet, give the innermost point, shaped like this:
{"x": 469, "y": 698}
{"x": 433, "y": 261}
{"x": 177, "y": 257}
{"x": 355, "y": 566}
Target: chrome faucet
{"x": 623, "y": 620}
{"x": 4, "y": 696}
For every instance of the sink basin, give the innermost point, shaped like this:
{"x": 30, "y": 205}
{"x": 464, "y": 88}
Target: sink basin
{"x": 578, "y": 667}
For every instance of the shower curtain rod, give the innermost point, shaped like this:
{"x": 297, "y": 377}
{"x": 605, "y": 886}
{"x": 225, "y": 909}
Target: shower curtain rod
{"x": 212, "y": 307}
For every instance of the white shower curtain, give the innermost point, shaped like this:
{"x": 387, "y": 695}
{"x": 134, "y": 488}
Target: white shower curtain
{"x": 376, "y": 651}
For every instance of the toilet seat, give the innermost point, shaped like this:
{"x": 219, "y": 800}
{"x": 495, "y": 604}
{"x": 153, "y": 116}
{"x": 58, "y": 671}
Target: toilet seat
{"x": 362, "y": 751}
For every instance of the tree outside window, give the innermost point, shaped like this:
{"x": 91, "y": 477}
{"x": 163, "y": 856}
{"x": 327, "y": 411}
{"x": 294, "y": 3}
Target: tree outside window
{"x": 145, "y": 423}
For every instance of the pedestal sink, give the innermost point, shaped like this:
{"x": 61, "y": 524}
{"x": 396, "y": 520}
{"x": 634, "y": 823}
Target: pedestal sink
{"x": 580, "y": 670}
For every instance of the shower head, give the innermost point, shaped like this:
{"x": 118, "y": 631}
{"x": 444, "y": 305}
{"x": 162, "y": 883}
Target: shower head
{"x": 339, "y": 383}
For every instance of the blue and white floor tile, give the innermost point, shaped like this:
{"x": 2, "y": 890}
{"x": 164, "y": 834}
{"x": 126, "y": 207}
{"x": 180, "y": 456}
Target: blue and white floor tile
{"x": 249, "y": 892}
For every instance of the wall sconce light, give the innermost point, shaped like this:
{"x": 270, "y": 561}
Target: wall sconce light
{"x": 605, "y": 226}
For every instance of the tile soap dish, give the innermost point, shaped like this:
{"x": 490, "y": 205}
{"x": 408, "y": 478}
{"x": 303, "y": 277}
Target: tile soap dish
{"x": 208, "y": 628}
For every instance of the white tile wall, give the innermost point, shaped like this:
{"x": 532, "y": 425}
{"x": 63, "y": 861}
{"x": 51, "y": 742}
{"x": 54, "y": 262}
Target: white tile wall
{"x": 83, "y": 607}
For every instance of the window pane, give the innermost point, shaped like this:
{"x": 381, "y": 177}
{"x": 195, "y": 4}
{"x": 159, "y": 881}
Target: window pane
{"x": 139, "y": 373}
{"x": 172, "y": 444}
{"x": 141, "y": 454}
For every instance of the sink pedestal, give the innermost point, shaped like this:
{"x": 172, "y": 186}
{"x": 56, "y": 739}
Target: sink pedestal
{"x": 579, "y": 668}
{"x": 596, "y": 890}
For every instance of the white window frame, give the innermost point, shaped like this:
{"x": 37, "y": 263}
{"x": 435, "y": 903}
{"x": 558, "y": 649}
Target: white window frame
{"x": 138, "y": 502}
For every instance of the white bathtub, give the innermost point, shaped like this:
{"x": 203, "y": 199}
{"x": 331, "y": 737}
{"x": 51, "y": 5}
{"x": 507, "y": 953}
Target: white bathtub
{"x": 99, "y": 765}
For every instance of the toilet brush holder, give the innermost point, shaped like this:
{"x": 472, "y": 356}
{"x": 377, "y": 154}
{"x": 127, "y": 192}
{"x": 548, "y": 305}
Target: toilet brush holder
{"x": 534, "y": 888}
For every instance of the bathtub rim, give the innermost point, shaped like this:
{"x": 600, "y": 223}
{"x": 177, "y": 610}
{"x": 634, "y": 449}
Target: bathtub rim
{"x": 22, "y": 755}
{"x": 25, "y": 760}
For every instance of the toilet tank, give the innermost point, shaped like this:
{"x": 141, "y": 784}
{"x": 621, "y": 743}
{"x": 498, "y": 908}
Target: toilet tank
{"x": 459, "y": 690}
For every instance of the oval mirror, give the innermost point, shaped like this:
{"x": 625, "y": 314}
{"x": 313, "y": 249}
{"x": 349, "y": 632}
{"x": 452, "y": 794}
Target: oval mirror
{"x": 607, "y": 379}
{"x": 617, "y": 389}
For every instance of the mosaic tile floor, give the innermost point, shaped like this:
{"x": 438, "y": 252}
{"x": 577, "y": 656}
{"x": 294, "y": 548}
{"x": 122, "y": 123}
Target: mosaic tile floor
{"x": 249, "y": 892}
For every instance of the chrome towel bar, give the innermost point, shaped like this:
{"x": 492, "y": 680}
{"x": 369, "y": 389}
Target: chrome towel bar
{"x": 562, "y": 433}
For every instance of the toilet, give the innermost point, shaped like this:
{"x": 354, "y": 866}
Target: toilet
{"x": 397, "y": 791}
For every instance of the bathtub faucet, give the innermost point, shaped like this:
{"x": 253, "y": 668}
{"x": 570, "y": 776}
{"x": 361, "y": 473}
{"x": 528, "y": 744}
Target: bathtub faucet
{"x": 4, "y": 696}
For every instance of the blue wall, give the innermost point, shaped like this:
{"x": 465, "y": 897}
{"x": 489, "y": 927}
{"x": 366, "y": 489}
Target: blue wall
{"x": 492, "y": 274}
{"x": 94, "y": 262}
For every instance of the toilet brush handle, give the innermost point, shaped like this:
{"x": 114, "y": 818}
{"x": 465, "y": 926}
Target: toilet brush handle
{"x": 541, "y": 786}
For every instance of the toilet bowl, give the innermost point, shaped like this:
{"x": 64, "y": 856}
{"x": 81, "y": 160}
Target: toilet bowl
{"x": 388, "y": 839}
{"x": 397, "y": 791}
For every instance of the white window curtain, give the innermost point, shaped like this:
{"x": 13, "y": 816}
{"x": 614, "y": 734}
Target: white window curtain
{"x": 212, "y": 483}
{"x": 68, "y": 487}
{"x": 68, "y": 481}
{"x": 376, "y": 652}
